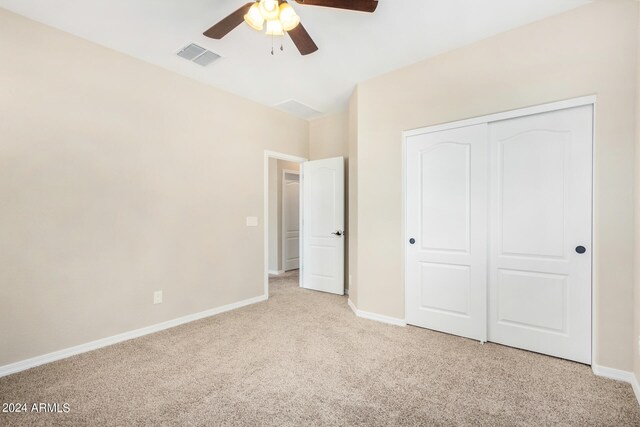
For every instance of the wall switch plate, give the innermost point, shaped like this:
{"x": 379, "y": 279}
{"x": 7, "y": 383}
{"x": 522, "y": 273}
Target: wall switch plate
{"x": 252, "y": 221}
{"x": 157, "y": 297}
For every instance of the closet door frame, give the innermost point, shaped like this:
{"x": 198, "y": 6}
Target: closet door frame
{"x": 543, "y": 108}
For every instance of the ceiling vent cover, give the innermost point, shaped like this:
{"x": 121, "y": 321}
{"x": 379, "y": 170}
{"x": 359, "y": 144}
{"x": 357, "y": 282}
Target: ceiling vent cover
{"x": 298, "y": 109}
{"x": 198, "y": 54}
{"x": 206, "y": 58}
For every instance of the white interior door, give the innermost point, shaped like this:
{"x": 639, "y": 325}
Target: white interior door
{"x": 290, "y": 220}
{"x": 540, "y": 283}
{"x": 323, "y": 225}
{"x": 446, "y": 241}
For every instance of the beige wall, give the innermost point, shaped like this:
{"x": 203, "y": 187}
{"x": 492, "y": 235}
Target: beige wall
{"x": 118, "y": 178}
{"x": 328, "y": 137}
{"x": 636, "y": 309}
{"x": 352, "y": 226}
{"x": 590, "y": 50}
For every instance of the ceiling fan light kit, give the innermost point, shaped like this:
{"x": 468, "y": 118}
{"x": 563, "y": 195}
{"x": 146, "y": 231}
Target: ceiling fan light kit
{"x": 288, "y": 17}
{"x": 274, "y": 28}
{"x": 268, "y": 9}
{"x": 254, "y": 18}
{"x": 281, "y": 17}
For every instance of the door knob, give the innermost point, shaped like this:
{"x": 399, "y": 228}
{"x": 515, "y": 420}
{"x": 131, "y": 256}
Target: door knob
{"x": 412, "y": 240}
{"x": 338, "y": 233}
{"x": 581, "y": 249}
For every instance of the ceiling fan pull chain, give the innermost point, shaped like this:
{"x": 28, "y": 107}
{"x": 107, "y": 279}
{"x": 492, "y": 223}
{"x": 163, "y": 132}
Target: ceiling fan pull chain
{"x": 271, "y": 44}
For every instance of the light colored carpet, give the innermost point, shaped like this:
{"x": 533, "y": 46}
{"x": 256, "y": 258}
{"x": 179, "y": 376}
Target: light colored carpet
{"x": 302, "y": 358}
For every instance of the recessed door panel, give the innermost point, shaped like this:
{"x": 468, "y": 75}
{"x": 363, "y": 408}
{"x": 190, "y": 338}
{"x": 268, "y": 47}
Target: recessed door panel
{"x": 532, "y": 300}
{"x": 445, "y": 197}
{"x": 322, "y": 187}
{"x": 445, "y": 288}
{"x": 534, "y": 183}
{"x": 320, "y": 261}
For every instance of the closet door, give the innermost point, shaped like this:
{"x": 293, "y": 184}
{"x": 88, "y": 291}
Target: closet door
{"x": 446, "y": 226}
{"x": 540, "y": 246}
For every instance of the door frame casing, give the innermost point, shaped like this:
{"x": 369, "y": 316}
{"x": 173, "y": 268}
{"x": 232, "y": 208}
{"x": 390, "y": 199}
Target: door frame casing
{"x": 283, "y": 234}
{"x": 521, "y": 112}
{"x": 268, "y": 154}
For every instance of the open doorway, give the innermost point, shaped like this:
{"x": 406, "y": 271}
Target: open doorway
{"x": 289, "y": 218}
{"x": 282, "y": 217}
{"x": 318, "y": 229}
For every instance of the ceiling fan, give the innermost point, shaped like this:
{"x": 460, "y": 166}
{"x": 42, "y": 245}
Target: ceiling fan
{"x": 280, "y": 18}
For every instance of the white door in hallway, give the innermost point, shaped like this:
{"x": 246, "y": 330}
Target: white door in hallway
{"x": 323, "y": 225}
{"x": 290, "y": 220}
{"x": 446, "y": 240}
{"x": 540, "y": 255}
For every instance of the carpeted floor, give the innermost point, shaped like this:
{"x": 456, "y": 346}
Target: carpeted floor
{"x": 302, "y": 358}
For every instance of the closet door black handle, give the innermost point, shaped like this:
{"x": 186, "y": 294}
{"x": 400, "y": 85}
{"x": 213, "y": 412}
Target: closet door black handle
{"x": 412, "y": 240}
{"x": 581, "y": 249}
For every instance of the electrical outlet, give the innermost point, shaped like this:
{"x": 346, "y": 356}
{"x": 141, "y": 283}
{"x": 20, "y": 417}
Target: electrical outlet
{"x": 157, "y": 297}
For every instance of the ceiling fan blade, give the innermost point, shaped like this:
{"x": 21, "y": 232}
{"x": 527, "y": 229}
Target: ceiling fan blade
{"x": 225, "y": 26}
{"x": 359, "y": 5}
{"x": 302, "y": 40}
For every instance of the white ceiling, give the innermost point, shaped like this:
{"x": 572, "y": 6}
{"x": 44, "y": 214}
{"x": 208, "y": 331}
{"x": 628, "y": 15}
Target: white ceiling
{"x": 353, "y": 46}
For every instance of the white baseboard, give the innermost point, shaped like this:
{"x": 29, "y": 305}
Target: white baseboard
{"x": 374, "y": 316}
{"x": 617, "y": 374}
{"x": 103, "y": 342}
{"x": 276, "y": 272}
{"x": 636, "y": 388}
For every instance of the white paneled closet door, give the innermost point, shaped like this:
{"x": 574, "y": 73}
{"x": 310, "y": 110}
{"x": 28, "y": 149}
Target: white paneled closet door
{"x": 499, "y": 224}
{"x": 446, "y": 223}
{"x": 540, "y": 253}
